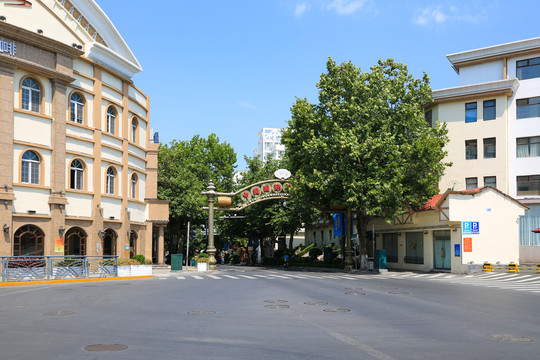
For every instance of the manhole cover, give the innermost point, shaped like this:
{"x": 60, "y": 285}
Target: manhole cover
{"x": 399, "y": 292}
{"x": 389, "y": 288}
{"x": 354, "y": 293}
{"x": 63, "y": 289}
{"x": 276, "y": 301}
{"x": 336, "y": 310}
{"x": 316, "y": 303}
{"x": 277, "y": 306}
{"x": 106, "y": 347}
{"x": 512, "y": 338}
{"x": 58, "y": 313}
{"x": 201, "y": 312}
{"x": 354, "y": 288}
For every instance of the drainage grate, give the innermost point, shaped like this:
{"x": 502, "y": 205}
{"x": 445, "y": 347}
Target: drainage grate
{"x": 316, "y": 303}
{"x": 512, "y": 338}
{"x": 399, "y": 292}
{"x": 354, "y": 293}
{"x": 201, "y": 312}
{"x": 336, "y": 310}
{"x": 354, "y": 288}
{"x": 277, "y": 306}
{"x": 58, "y": 313}
{"x": 106, "y": 347}
{"x": 276, "y": 301}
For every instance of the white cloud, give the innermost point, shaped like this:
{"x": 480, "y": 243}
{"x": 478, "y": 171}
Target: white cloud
{"x": 346, "y": 7}
{"x": 440, "y": 14}
{"x": 430, "y": 15}
{"x": 247, "y": 105}
{"x": 300, "y": 9}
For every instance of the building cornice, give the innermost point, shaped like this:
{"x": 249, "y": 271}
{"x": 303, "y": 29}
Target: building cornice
{"x": 488, "y": 89}
{"x": 492, "y": 53}
{"x": 37, "y": 40}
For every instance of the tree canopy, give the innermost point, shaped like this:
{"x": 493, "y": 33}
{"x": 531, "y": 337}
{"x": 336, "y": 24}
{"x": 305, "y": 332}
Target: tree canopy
{"x": 366, "y": 144}
{"x": 185, "y": 170}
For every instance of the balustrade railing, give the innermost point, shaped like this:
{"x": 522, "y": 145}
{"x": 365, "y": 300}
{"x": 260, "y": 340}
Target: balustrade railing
{"x": 33, "y": 268}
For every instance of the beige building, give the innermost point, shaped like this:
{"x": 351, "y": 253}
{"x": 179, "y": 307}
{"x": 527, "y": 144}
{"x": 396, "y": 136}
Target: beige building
{"x": 493, "y": 120}
{"x": 78, "y": 166}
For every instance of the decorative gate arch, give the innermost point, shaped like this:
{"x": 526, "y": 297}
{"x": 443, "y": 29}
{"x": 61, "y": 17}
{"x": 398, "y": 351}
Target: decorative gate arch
{"x": 265, "y": 190}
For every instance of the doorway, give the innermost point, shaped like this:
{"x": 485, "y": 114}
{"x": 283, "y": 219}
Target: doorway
{"x": 441, "y": 250}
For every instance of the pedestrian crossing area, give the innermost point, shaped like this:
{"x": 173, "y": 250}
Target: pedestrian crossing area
{"x": 507, "y": 281}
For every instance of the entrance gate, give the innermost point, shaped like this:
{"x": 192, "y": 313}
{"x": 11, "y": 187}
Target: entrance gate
{"x": 265, "y": 190}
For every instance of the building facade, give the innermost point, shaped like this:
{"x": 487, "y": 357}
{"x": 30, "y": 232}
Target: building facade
{"x": 269, "y": 144}
{"x": 78, "y": 166}
{"x": 493, "y": 120}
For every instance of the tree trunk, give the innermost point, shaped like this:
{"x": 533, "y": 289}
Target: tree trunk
{"x": 291, "y": 238}
{"x": 362, "y": 220}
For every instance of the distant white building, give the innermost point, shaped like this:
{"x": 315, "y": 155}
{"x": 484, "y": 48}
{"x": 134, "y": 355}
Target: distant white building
{"x": 269, "y": 144}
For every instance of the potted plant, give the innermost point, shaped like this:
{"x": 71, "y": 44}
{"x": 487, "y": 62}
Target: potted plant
{"x": 202, "y": 262}
{"x": 136, "y": 266}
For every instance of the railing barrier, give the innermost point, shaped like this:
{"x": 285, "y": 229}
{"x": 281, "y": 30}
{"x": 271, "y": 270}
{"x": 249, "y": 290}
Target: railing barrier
{"x": 33, "y": 268}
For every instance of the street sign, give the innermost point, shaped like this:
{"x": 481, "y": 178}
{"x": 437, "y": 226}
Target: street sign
{"x": 471, "y": 228}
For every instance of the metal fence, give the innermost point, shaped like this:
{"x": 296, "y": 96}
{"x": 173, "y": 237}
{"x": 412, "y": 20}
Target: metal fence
{"x": 33, "y": 268}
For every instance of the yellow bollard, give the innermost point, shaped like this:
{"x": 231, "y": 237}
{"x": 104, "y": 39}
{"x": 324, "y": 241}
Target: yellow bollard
{"x": 513, "y": 268}
{"x": 489, "y": 267}
{"x": 538, "y": 268}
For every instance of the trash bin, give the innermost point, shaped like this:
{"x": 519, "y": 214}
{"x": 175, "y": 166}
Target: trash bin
{"x": 176, "y": 261}
{"x": 380, "y": 259}
{"x": 193, "y": 262}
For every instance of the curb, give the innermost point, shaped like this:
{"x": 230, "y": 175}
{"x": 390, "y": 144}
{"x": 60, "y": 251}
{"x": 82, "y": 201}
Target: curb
{"x": 67, "y": 281}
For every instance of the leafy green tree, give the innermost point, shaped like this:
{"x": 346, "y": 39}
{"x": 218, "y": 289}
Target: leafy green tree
{"x": 185, "y": 170}
{"x": 365, "y": 144}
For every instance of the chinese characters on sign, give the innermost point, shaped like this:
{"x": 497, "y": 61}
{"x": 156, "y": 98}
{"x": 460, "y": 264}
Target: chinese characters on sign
{"x": 467, "y": 244}
{"x": 8, "y": 47}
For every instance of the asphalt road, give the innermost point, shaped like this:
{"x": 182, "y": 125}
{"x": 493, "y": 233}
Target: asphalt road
{"x": 270, "y": 314}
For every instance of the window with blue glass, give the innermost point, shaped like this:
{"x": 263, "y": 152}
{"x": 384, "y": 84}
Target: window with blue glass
{"x": 470, "y": 112}
{"x": 528, "y": 69}
{"x": 490, "y": 110}
{"x": 528, "y": 108}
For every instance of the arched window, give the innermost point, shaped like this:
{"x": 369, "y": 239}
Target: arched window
{"x": 77, "y": 108}
{"x": 109, "y": 242}
{"x": 30, "y": 168}
{"x": 76, "y": 175}
{"x": 111, "y": 176}
{"x": 75, "y": 242}
{"x": 134, "y": 127}
{"x": 132, "y": 243}
{"x": 31, "y": 95}
{"x": 28, "y": 241}
{"x": 111, "y": 120}
{"x": 133, "y": 191}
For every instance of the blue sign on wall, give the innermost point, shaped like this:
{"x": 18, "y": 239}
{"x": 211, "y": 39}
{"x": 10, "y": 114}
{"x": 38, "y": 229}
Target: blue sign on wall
{"x": 457, "y": 250}
{"x": 471, "y": 228}
{"x": 340, "y": 225}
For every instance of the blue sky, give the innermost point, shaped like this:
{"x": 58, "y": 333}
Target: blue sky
{"x": 234, "y": 67}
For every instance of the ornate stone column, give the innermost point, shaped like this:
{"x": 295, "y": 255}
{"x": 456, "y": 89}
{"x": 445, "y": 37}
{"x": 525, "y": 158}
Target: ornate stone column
{"x": 161, "y": 245}
{"x": 211, "y": 250}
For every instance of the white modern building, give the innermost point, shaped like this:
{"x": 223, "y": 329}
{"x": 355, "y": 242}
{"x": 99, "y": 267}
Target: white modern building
{"x": 269, "y": 144}
{"x": 493, "y": 120}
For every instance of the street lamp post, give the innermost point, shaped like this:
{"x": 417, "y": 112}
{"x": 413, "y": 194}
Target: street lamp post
{"x": 211, "y": 249}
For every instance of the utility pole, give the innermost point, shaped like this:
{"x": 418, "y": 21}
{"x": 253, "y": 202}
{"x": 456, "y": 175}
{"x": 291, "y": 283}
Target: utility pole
{"x": 187, "y": 250}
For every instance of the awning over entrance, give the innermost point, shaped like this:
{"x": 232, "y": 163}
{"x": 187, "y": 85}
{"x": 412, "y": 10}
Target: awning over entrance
{"x": 536, "y": 230}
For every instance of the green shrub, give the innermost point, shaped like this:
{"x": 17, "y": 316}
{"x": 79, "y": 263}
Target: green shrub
{"x": 234, "y": 259}
{"x": 315, "y": 252}
{"x": 140, "y": 258}
{"x": 202, "y": 255}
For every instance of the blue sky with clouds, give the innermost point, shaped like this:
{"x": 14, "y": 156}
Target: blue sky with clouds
{"x": 234, "y": 67}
